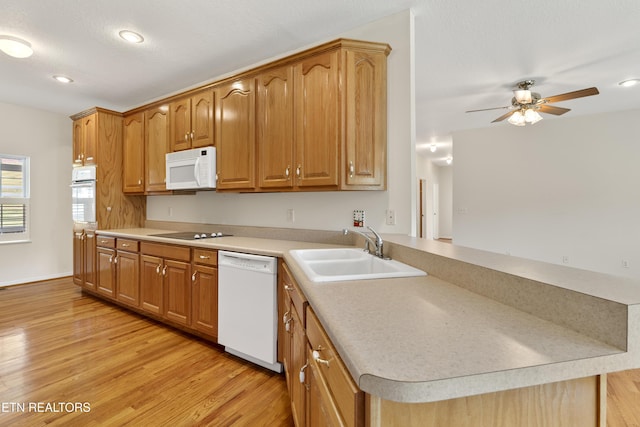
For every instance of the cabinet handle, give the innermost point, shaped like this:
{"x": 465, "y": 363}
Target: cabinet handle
{"x": 186, "y": 137}
{"x": 193, "y": 276}
{"x": 352, "y": 169}
{"x": 316, "y": 357}
{"x": 125, "y": 245}
{"x": 110, "y": 259}
{"x": 217, "y": 176}
{"x": 140, "y": 181}
{"x": 301, "y": 376}
{"x": 158, "y": 268}
{"x": 115, "y": 260}
{"x": 286, "y": 171}
{"x": 298, "y": 170}
{"x": 288, "y": 287}
{"x": 192, "y": 134}
{"x": 205, "y": 257}
{"x": 89, "y": 158}
{"x": 286, "y": 319}
{"x": 164, "y": 271}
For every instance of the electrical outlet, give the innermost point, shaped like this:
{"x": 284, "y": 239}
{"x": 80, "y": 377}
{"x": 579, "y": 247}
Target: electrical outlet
{"x": 291, "y": 215}
{"x": 625, "y": 263}
{"x": 170, "y": 212}
{"x": 391, "y": 217}
{"x": 358, "y": 218}
{"x": 565, "y": 259}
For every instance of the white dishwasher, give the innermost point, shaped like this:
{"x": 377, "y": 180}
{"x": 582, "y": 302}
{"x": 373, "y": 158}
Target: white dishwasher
{"x": 248, "y": 307}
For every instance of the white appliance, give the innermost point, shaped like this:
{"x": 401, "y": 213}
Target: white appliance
{"x": 247, "y": 307}
{"x": 83, "y": 194}
{"x": 191, "y": 169}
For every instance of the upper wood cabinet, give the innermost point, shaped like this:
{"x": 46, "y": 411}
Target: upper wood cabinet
{"x": 235, "y": 134}
{"x": 321, "y": 120}
{"x": 192, "y": 121}
{"x": 317, "y": 105}
{"x": 133, "y": 153}
{"x": 365, "y": 148}
{"x": 84, "y": 140}
{"x": 274, "y": 122}
{"x": 156, "y": 148}
{"x": 102, "y": 145}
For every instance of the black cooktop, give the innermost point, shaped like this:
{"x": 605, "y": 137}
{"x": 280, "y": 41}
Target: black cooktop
{"x": 191, "y": 235}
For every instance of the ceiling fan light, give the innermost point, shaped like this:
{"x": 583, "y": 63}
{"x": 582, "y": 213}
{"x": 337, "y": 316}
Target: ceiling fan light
{"x": 131, "y": 36}
{"x": 13, "y": 46}
{"x": 532, "y": 116}
{"x": 517, "y": 119}
{"x": 629, "y": 83}
{"x": 523, "y": 96}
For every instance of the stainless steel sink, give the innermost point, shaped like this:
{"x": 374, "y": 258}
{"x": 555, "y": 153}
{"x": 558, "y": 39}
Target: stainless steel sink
{"x": 339, "y": 264}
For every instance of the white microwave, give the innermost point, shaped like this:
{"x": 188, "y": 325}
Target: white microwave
{"x": 191, "y": 169}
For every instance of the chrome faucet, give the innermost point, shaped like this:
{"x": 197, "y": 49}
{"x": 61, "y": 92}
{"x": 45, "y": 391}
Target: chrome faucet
{"x": 378, "y": 243}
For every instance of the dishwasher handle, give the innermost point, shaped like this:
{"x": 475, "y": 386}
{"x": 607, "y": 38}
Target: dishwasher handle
{"x": 244, "y": 261}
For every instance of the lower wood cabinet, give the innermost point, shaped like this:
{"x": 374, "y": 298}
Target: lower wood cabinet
{"x": 84, "y": 259}
{"x": 127, "y": 263}
{"x": 204, "y": 292}
{"x": 106, "y": 277}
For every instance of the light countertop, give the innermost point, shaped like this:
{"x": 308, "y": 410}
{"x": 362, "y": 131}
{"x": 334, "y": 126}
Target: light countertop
{"x": 425, "y": 339}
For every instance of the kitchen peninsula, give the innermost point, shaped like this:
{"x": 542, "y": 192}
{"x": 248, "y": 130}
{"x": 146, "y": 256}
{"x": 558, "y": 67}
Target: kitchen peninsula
{"x": 511, "y": 338}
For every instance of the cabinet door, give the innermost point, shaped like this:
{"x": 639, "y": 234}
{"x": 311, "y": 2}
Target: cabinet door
{"x": 78, "y": 257}
{"x": 128, "y": 278}
{"x": 274, "y": 121}
{"x": 202, "y": 119}
{"x": 205, "y": 300}
{"x": 317, "y": 108}
{"x": 157, "y": 146}
{"x": 365, "y": 117}
{"x": 133, "y": 154}
{"x": 90, "y": 139}
{"x": 298, "y": 353}
{"x": 77, "y": 142}
{"x": 106, "y": 272}
{"x": 321, "y": 412}
{"x": 235, "y": 135}
{"x": 177, "y": 292}
{"x": 90, "y": 260}
{"x": 180, "y": 124}
{"x": 151, "y": 284}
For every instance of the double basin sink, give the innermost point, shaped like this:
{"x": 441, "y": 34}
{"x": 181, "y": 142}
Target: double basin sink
{"x": 339, "y": 264}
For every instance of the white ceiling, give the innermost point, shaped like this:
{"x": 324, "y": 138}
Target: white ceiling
{"x": 469, "y": 54}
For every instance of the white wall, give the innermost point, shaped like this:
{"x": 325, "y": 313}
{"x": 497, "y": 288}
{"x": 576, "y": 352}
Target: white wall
{"x": 46, "y": 138}
{"x": 563, "y": 191}
{"x": 445, "y": 201}
{"x": 329, "y": 210}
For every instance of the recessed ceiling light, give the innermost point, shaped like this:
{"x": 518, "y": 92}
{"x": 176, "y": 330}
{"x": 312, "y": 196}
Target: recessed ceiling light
{"x": 13, "y": 46}
{"x": 131, "y": 36}
{"x": 63, "y": 79}
{"x": 629, "y": 83}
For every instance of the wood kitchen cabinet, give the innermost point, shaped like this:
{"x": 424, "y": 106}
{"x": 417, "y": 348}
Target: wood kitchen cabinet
{"x": 157, "y": 145}
{"x": 84, "y": 258}
{"x": 106, "y": 269}
{"x": 169, "y": 289}
{"x": 127, "y": 263}
{"x": 84, "y": 140}
{"x": 133, "y": 153}
{"x": 204, "y": 296}
{"x": 192, "y": 121}
{"x": 274, "y": 125}
{"x": 321, "y": 120}
{"x": 235, "y": 134}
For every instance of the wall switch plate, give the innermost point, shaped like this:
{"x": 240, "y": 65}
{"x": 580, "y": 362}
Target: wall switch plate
{"x": 291, "y": 215}
{"x": 358, "y": 218}
{"x": 391, "y": 217}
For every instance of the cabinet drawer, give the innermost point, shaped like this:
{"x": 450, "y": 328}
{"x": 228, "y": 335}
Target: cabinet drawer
{"x": 345, "y": 394}
{"x": 205, "y": 256}
{"x": 106, "y": 242}
{"x": 180, "y": 253}
{"x": 127, "y": 245}
{"x": 290, "y": 288}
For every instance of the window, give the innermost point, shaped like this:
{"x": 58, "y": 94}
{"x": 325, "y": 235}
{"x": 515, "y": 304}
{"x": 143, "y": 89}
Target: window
{"x": 14, "y": 198}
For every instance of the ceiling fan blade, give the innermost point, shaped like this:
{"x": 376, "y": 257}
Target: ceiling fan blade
{"x": 570, "y": 95}
{"x": 504, "y": 116}
{"x": 550, "y": 109}
{"x": 487, "y": 109}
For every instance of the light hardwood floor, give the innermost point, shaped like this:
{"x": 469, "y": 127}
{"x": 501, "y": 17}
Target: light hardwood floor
{"x": 59, "y": 345}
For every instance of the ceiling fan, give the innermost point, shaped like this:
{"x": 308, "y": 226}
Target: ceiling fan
{"x": 526, "y": 105}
